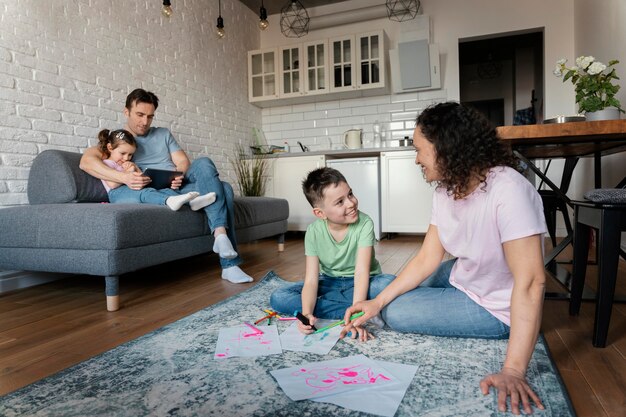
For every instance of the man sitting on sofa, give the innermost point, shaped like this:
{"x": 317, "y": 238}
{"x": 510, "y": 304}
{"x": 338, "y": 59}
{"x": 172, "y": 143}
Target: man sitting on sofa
{"x": 157, "y": 148}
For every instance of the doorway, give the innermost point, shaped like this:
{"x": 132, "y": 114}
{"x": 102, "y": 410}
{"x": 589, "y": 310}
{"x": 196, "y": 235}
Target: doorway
{"x": 501, "y": 75}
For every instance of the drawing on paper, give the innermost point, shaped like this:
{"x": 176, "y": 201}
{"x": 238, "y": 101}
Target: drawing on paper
{"x": 326, "y": 378}
{"x": 332, "y": 377}
{"x": 321, "y": 343}
{"x": 245, "y": 341}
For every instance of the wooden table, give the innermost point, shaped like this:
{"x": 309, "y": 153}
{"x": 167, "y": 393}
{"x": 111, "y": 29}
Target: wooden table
{"x": 563, "y": 140}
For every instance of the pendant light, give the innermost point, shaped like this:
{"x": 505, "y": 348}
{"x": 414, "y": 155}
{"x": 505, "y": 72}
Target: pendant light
{"x": 294, "y": 20}
{"x": 263, "y": 23}
{"x": 401, "y": 10}
{"x": 166, "y": 10}
{"x": 220, "y": 22}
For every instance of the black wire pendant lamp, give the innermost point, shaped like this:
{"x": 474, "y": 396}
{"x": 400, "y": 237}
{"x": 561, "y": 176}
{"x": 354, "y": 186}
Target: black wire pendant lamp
{"x": 294, "y": 20}
{"x": 401, "y": 10}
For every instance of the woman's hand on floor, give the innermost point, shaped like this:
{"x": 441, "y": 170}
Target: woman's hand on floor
{"x": 355, "y": 332}
{"x": 511, "y": 383}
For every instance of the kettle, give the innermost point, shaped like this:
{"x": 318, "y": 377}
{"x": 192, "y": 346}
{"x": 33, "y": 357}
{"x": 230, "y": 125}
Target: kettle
{"x": 352, "y": 138}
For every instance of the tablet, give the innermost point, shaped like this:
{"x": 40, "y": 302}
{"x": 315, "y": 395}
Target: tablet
{"x": 161, "y": 178}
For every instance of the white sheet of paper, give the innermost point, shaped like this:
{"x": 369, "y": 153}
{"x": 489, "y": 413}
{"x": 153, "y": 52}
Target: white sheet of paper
{"x": 320, "y": 379}
{"x": 322, "y": 343}
{"x": 244, "y": 341}
{"x": 383, "y": 400}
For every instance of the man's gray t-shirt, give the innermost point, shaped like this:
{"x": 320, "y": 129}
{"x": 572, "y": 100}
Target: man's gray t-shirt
{"x": 155, "y": 148}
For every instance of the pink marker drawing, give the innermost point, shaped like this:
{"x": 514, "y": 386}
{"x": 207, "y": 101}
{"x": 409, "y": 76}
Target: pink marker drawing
{"x": 328, "y": 378}
{"x": 247, "y": 340}
{"x": 256, "y": 330}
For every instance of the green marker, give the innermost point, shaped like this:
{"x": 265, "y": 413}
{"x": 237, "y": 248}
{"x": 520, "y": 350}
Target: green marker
{"x": 339, "y": 323}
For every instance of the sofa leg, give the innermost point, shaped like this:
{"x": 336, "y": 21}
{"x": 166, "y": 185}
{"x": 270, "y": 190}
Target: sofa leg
{"x": 281, "y": 242}
{"x": 112, "y": 291}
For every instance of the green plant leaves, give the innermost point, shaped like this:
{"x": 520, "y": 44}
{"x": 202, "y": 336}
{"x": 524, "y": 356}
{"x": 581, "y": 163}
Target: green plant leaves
{"x": 593, "y": 91}
{"x": 251, "y": 171}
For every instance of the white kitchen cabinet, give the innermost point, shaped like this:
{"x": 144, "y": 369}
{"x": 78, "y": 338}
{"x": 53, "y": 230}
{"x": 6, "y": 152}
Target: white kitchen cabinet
{"x": 358, "y": 61}
{"x": 303, "y": 69}
{"x": 371, "y": 60}
{"x": 331, "y": 68}
{"x": 342, "y": 55}
{"x": 289, "y": 71}
{"x": 405, "y": 196}
{"x": 262, "y": 75}
{"x": 286, "y": 182}
{"x": 316, "y": 67}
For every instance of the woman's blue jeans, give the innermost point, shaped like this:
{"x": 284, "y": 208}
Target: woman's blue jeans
{"x": 202, "y": 176}
{"x": 334, "y": 295}
{"x": 437, "y": 308}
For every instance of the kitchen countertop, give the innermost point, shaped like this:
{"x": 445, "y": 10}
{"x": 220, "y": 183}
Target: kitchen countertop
{"x": 343, "y": 153}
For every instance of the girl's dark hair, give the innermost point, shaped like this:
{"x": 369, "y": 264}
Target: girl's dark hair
{"x": 139, "y": 95}
{"x": 466, "y": 145}
{"x": 318, "y": 181}
{"x": 114, "y": 137}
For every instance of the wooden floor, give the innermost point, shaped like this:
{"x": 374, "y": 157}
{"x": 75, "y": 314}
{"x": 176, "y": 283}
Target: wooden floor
{"x": 47, "y": 328}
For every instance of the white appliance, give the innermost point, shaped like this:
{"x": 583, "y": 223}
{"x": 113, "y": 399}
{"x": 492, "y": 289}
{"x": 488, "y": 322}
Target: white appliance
{"x": 363, "y": 176}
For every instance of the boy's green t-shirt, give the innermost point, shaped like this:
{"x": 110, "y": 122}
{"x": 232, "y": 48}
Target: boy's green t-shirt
{"x": 338, "y": 259}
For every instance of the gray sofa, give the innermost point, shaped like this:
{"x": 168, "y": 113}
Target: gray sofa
{"x": 68, "y": 227}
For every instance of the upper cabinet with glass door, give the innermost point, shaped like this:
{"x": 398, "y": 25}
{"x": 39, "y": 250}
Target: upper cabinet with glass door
{"x": 290, "y": 71}
{"x": 262, "y": 75}
{"x": 338, "y": 65}
{"x": 358, "y": 62}
{"x": 342, "y": 74}
{"x": 370, "y": 58}
{"x": 316, "y": 67}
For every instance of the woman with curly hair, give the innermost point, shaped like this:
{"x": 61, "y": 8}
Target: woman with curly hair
{"x": 490, "y": 219}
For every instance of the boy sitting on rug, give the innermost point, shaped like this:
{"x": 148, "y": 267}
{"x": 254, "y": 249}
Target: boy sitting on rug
{"x": 340, "y": 244}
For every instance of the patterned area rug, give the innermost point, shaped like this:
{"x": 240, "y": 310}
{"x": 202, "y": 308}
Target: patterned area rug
{"x": 171, "y": 372}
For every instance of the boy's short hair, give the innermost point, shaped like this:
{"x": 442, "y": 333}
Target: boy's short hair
{"x": 317, "y": 181}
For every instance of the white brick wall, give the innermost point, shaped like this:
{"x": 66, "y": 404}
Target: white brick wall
{"x": 321, "y": 125}
{"x": 67, "y": 66}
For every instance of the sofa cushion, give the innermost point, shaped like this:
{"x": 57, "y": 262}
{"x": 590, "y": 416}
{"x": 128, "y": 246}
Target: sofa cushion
{"x": 55, "y": 177}
{"x": 253, "y": 211}
{"x": 93, "y": 226}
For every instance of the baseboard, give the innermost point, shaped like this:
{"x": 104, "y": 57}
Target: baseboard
{"x": 16, "y": 280}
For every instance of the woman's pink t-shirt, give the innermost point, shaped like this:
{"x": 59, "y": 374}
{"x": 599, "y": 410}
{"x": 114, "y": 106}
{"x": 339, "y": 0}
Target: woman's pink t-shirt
{"x": 474, "y": 228}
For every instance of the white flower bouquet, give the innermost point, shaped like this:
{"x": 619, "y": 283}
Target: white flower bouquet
{"x": 593, "y": 82}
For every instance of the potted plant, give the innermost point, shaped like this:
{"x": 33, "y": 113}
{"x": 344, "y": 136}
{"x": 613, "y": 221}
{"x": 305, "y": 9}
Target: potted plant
{"x": 595, "y": 91}
{"x": 251, "y": 171}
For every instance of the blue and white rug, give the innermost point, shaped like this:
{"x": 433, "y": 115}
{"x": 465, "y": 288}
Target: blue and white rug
{"x": 171, "y": 372}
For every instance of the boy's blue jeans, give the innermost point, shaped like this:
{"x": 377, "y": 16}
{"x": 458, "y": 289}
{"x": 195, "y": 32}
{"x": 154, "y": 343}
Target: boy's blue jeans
{"x": 439, "y": 309}
{"x": 334, "y": 295}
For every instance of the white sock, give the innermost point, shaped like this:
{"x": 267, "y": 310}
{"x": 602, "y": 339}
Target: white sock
{"x": 235, "y": 275}
{"x": 202, "y": 201}
{"x": 176, "y": 202}
{"x": 223, "y": 247}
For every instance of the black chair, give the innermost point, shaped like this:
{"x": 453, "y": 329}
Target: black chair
{"x": 606, "y": 212}
{"x": 553, "y": 203}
